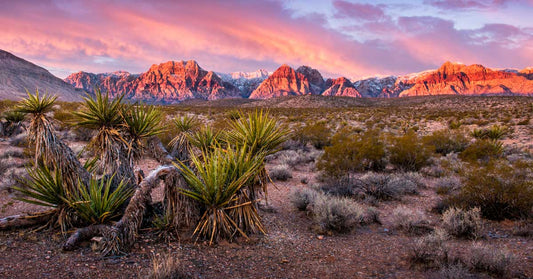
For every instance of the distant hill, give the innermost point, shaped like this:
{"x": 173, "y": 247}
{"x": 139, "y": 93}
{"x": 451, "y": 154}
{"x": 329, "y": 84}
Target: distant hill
{"x": 17, "y": 75}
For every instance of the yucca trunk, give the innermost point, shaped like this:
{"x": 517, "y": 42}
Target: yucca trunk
{"x": 183, "y": 210}
{"x": 53, "y": 151}
{"x": 158, "y": 151}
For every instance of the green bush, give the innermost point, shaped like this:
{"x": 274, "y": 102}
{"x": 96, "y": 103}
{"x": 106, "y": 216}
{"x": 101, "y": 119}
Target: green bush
{"x": 353, "y": 152}
{"x": 408, "y": 153}
{"x": 482, "y": 150}
{"x": 446, "y": 141}
{"x": 500, "y": 190}
{"x": 317, "y": 134}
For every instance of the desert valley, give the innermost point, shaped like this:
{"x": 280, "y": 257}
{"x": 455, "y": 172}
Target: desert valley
{"x": 290, "y": 139}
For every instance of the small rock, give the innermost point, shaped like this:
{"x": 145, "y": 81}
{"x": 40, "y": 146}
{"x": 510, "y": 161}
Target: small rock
{"x": 320, "y": 237}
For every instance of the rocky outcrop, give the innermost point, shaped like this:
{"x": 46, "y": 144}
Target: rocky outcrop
{"x": 315, "y": 79}
{"x": 460, "y": 79}
{"x": 386, "y": 87}
{"x": 527, "y": 73}
{"x": 18, "y": 75}
{"x": 340, "y": 87}
{"x": 285, "y": 81}
{"x": 168, "y": 82}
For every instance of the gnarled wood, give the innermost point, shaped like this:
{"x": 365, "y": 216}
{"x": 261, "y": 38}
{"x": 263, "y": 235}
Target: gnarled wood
{"x": 25, "y": 220}
{"x": 158, "y": 151}
{"x": 123, "y": 234}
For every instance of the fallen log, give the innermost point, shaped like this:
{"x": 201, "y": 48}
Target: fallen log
{"x": 25, "y": 220}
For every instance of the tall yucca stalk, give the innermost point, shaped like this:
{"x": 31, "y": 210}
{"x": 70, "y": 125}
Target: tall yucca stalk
{"x": 142, "y": 122}
{"x": 48, "y": 148}
{"x": 214, "y": 181}
{"x": 261, "y": 136}
{"x": 105, "y": 115}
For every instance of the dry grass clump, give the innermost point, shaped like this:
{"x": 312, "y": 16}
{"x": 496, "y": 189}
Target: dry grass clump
{"x": 167, "y": 266}
{"x": 302, "y": 198}
{"x": 490, "y": 259}
{"x": 447, "y": 185}
{"x": 454, "y": 271}
{"x": 410, "y": 220}
{"x": 462, "y": 223}
{"x": 335, "y": 214}
{"x": 387, "y": 187}
{"x": 431, "y": 250}
{"x": 280, "y": 172}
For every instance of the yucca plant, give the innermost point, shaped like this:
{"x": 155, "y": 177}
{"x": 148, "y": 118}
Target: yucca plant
{"x": 261, "y": 135}
{"x": 215, "y": 180}
{"x": 105, "y": 115}
{"x": 142, "y": 122}
{"x": 45, "y": 188}
{"x": 100, "y": 201}
{"x": 205, "y": 139}
{"x": 13, "y": 116}
{"x": 186, "y": 126}
{"x": 258, "y": 131}
{"x": 40, "y": 129}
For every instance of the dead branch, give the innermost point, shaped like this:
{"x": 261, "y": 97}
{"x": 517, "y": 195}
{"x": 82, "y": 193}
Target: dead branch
{"x": 25, "y": 220}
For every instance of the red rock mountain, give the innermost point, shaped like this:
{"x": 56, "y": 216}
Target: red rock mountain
{"x": 459, "y": 79}
{"x": 168, "y": 82}
{"x": 315, "y": 79}
{"x": 17, "y": 75}
{"x": 285, "y": 81}
{"x": 340, "y": 87}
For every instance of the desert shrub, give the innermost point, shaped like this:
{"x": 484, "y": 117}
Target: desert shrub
{"x": 280, "y": 172}
{"x": 431, "y": 249}
{"x": 383, "y": 186}
{"x": 167, "y": 266}
{"x": 334, "y": 214}
{"x": 408, "y": 153}
{"x": 493, "y": 133}
{"x": 501, "y": 191}
{"x": 490, "y": 259}
{"x": 454, "y": 271}
{"x": 371, "y": 215}
{"x": 13, "y": 116}
{"x": 302, "y": 198}
{"x": 351, "y": 152}
{"x": 446, "y": 141}
{"x": 462, "y": 223}
{"x": 482, "y": 150}
{"x": 448, "y": 184}
{"x": 409, "y": 220}
{"x": 317, "y": 134}
{"x": 295, "y": 157}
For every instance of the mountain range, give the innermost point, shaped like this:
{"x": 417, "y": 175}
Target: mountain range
{"x": 176, "y": 81}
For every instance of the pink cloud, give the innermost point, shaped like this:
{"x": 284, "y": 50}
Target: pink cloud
{"x": 358, "y": 11}
{"x": 234, "y": 35}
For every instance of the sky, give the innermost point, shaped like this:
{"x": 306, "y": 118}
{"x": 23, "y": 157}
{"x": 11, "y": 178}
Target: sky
{"x": 347, "y": 38}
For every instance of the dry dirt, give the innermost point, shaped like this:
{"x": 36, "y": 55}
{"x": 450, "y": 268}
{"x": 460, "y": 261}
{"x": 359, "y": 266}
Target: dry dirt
{"x": 290, "y": 249}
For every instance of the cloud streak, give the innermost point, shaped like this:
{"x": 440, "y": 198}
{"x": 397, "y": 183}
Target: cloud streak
{"x": 101, "y": 36}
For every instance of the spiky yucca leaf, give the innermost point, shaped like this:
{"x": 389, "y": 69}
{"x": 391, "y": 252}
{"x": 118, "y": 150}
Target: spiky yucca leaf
{"x": 142, "y": 121}
{"x": 100, "y": 111}
{"x": 217, "y": 177}
{"x": 98, "y": 203}
{"x": 44, "y": 187}
{"x": 105, "y": 115}
{"x": 13, "y": 116}
{"x": 35, "y": 104}
{"x": 206, "y": 139}
{"x": 257, "y": 131}
{"x": 185, "y": 126}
